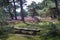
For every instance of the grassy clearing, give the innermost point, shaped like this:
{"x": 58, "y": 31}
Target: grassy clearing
{"x": 20, "y": 37}
{"x": 43, "y": 26}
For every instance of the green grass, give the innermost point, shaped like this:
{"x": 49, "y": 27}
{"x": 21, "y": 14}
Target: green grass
{"x": 43, "y": 26}
{"x": 20, "y": 37}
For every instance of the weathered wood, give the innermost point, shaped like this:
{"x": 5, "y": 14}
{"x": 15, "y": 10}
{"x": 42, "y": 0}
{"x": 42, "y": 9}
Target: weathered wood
{"x": 33, "y": 31}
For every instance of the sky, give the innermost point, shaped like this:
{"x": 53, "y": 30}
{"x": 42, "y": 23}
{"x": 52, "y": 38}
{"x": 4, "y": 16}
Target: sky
{"x": 28, "y": 3}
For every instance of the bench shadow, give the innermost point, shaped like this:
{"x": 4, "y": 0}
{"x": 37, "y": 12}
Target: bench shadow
{"x": 24, "y": 33}
{"x": 29, "y": 37}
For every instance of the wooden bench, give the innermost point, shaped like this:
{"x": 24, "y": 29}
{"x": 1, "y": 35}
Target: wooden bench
{"x": 32, "y": 31}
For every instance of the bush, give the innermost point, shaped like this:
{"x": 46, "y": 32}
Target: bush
{"x": 1, "y": 32}
{"x": 6, "y": 29}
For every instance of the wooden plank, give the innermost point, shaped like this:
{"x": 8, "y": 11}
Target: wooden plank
{"x": 27, "y": 29}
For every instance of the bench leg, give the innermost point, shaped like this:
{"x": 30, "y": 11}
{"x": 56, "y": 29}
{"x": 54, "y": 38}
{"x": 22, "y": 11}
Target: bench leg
{"x": 34, "y": 33}
{"x": 20, "y": 31}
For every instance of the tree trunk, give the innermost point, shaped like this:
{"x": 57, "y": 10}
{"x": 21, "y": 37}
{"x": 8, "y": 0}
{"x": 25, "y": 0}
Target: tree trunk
{"x": 22, "y": 14}
{"x": 15, "y": 10}
{"x": 56, "y": 3}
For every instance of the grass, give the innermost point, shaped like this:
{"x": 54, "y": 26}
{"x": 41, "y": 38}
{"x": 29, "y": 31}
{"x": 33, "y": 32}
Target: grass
{"x": 43, "y": 26}
{"x": 20, "y": 37}
{"x": 16, "y": 37}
